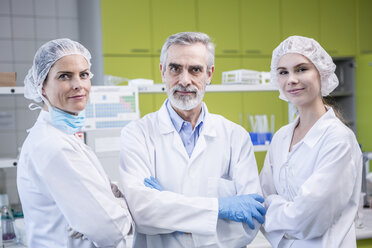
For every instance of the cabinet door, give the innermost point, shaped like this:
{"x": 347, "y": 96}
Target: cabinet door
{"x": 128, "y": 67}
{"x": 225, "y": 64}
{"x": 363, "y": 89}
{"x": 260, "y": 28}
{"x": 257, "y": 64}
{"x": 126, "y": 27}
{"x": 170, "y": 17}
{"x": 146, "y": 103}
{"x": 220, "y": 20}
{"x": 365, "y": 24}
{"x": 300, "y": 18}
{"x": 337, "y": 27}
{"x": 227, "y": 104}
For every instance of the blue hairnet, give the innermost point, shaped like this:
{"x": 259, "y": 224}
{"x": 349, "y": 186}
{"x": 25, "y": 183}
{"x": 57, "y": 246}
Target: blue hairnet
{"x": 312, "y": 50}
{"x": 45, "y": 58}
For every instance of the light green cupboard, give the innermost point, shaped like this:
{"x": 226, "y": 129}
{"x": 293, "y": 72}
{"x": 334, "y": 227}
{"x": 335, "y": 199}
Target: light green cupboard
{"x": 170, "y": 17}
{"x": 364, "y": 243}
{"x": 128, "y": 67}
{"x": 126, "y": 27}
{"x": 363, "y": 89}
{"x": 227, "y": 104}
{"x": 220, "y": 20}
{"x": 337, "y": 27}
{"x": 365, "y": 26}
{"x": 260, "y": 26}
{"x": 300, "y": 18}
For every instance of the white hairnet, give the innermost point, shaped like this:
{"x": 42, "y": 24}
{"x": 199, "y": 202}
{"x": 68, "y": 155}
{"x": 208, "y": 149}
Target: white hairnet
{"x": 312, "y": 50}
{"x": 44, "y": 59}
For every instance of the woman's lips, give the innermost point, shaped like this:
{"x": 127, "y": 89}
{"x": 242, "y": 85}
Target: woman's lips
{"x": 295, "y": 91}
{"x": 77, "y": 97}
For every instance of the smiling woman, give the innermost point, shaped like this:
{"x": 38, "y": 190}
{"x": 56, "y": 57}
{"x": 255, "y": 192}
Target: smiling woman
{"x": 61, "y": 183}
{"x": 67, "y": 86}
{"x": 311, "y": 178}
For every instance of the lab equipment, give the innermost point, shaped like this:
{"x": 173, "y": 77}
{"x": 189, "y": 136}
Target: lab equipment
{"x": 8, "y": 234}
{"x": 44, "y": 59}
{"x": 241, "y": 77}
{"x": 312, "y": 50}
{"x": 111, "y": 107}
{"x": 153, "y": 183}
{"x": 244, "y": 76}
{"x": 242, "y": 208}
{"x": 260, "y": 134}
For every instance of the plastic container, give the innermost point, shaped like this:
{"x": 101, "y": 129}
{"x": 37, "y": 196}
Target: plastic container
{"x": 241, "y": 77}
{"x": 261, "y": 138}
{"x": 8, "y": 234}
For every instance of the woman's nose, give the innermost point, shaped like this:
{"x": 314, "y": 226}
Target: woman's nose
{"x": 76, "y": 83}
{"x": 292, "y": 79}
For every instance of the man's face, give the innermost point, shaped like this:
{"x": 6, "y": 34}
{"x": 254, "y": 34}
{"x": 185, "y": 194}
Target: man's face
{"x": 186, "y": 75}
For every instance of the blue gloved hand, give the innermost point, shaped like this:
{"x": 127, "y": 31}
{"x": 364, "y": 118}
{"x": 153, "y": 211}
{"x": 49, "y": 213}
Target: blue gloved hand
{"x": 242, "y": 208}
{"x": 153, "y": 183}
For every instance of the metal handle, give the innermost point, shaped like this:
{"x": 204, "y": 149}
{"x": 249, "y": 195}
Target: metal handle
{"x": 253, "y": 51}
{"x": 139, "y": 50}
{"x": 230, "y": 51}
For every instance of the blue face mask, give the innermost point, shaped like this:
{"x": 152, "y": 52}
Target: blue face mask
{"x": 66, "y": 122}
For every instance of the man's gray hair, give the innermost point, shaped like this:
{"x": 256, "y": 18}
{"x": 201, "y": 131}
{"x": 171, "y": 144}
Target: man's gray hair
{"x": 188, "y": 38}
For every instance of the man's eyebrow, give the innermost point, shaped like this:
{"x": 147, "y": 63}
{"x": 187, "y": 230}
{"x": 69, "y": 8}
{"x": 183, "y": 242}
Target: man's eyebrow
{"x": 174, "y": 65}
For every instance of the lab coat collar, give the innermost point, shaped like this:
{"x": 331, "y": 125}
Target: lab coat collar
{"x": 317, "y": 130}
{"x": 166, "y": 125}
{"x": 44, "y": 116}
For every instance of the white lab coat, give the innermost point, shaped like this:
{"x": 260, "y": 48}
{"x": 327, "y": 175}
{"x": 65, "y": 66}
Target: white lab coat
{"x": 312, "y": 193}
{"x": 62, "y": 184}
{"x": 222, "y": 164}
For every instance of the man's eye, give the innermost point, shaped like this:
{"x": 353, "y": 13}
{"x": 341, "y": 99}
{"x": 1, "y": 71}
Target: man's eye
{"x": 196, "y": 70}
{"x": 174, "y": 69}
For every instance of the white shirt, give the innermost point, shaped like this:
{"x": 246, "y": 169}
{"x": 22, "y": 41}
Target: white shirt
{"x": 312, "y": 193}
{"x": 222, "y": 164}
{"x": 62, "y": 184}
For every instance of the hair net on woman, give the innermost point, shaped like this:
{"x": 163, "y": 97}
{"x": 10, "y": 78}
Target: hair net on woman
{"x": 45, "y": 58}
{"x": 315, "y": 53}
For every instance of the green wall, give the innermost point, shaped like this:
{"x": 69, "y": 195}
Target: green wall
{"x": 245, "y": 33}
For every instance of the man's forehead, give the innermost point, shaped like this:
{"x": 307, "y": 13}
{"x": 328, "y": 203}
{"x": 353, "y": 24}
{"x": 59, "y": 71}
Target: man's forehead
{"x": 187, "y": 55}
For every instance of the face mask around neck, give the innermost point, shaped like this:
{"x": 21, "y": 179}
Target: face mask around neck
{"x": 66, "y": 122}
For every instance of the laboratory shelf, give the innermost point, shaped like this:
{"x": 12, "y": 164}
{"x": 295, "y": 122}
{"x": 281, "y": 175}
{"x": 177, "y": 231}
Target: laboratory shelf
{"x": 160, "y": 88}
{"x": 11, "y": 90}
{"x": 8, "y": 162}
{"x": 260, "y": 148}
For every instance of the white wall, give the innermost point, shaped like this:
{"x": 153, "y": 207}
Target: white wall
{"x": 24, "y": 26}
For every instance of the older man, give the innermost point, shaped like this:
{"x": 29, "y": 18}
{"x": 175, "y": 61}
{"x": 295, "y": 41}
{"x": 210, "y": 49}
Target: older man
{"x": 190, "y": 177}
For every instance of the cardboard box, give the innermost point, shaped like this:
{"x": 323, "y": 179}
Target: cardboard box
{"x": 7, "y": 79}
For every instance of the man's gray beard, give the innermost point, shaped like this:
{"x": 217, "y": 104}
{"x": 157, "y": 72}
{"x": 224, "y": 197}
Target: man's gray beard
{"x": 185, "y": 102}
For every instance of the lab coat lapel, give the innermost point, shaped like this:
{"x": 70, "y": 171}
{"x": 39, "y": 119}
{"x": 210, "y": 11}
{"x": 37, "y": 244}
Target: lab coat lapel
{"x": 166, "y": 128}
{"x": 207, "y": 134}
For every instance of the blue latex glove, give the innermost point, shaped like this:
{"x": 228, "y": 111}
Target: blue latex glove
{"x": 242, "y": 208}
{"x": 153, "y": 183}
